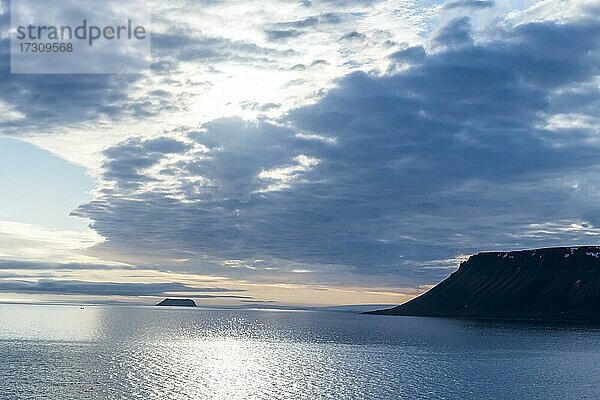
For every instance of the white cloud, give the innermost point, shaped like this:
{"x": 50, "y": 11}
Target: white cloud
{"x": 282, "y": 178}
{"x": 8, "y": 113}
{"x": 318, "y": 138}
{"x": 561, "y": 228}
{"x": 561, "y": 122}
{"x": 22, "y": 241}
{"x": 561, "y": 11}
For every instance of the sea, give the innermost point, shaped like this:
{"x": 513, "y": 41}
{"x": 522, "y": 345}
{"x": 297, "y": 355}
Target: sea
{"x": 122, "y": 352}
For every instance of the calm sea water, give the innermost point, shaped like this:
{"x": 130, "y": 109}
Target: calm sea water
{"x": 62, "y": 352}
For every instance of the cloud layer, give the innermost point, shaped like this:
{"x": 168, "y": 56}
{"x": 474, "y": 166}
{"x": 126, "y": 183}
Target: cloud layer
{"x": 317, "y": 146}
{"x": 68, "y": 287}
{"x": 468, "y": 143}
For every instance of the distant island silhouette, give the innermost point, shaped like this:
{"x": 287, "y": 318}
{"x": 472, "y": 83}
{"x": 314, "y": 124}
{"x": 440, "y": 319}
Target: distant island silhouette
{"x": 550, "y": 284}
{"x": 177, "y": 303}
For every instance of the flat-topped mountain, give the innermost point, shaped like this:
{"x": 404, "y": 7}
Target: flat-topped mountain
{"x": 552, "y": 284}
{"x": 177, "y": 303}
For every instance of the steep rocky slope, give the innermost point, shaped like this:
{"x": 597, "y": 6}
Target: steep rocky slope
{"x": 545, "y": 284}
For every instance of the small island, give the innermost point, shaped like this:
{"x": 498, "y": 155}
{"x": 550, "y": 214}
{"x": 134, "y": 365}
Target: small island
{"x": 177, "y": 303}
{"x": 551, "y": 284}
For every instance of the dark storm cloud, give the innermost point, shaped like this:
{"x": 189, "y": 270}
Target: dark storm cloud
{"x": 454, "y": 145}
{"x": 316, "y": 63}
{"x": 24, "y": 265}
{"x": 187, "y": 45}
{"x": 275, "y": 35}
{"x": 50, "y": 286}
{"x": 457, "y": 33}
{"x": 387, "y": 175}
{"x": 476, "y": 4}
{"x": 312, "y": 21}
{"x": 354, "y": 36}
{"x": 124, "y": 163}
{"x": 237, "y": 156}
{"x": 412, "y": 55}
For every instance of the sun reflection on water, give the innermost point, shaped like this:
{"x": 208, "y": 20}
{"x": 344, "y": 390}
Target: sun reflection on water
{"x": 98, "y": 353}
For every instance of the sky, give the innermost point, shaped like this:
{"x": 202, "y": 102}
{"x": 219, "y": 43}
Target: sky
{"x": 284, "y": 153}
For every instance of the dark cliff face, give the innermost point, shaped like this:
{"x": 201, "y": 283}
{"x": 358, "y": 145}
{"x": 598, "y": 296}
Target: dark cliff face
{"x": 545, "y": 284}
